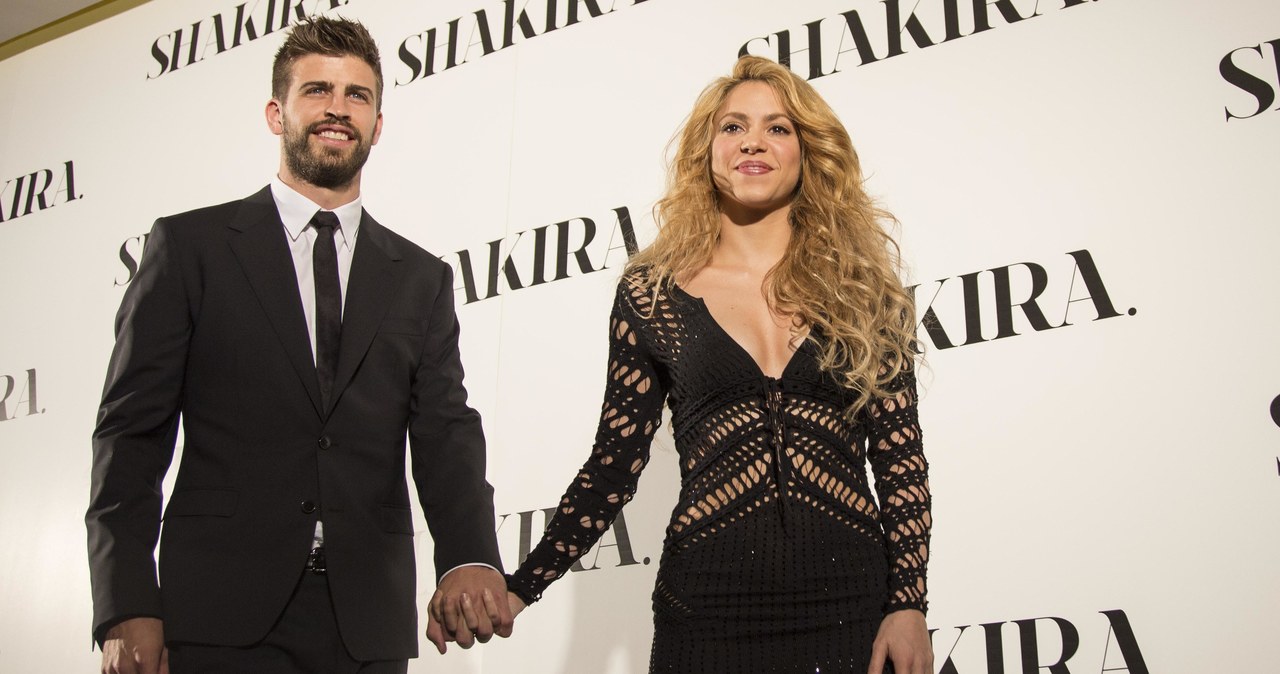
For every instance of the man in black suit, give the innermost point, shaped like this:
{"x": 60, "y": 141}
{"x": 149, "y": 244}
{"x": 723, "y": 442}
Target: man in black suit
{"x": 298, "y": 341}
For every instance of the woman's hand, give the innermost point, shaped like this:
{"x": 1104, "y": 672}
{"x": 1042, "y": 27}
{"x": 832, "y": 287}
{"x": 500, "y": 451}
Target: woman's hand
{"x": 903, "y": 639}
{"x": 515, "y": 603}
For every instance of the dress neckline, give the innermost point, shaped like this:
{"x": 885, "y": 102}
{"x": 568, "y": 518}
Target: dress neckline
{"x": 746, "y": 355}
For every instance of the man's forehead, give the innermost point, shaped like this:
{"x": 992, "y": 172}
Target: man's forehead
{"x": 346, "y": 69}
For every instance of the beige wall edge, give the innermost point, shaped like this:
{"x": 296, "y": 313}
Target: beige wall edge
{"x": 66, "y": 25}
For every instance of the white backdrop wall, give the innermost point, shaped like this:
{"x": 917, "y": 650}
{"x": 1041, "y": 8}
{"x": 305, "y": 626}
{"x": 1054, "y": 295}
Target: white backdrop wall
{"x": 1088, "y": 206}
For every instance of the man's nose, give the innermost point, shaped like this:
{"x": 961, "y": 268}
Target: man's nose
{"x": 338, "y": 107}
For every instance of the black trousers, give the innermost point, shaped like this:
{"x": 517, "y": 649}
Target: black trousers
{"x": 304, "y": 640}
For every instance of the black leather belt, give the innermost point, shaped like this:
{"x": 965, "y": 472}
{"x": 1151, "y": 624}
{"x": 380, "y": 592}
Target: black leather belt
{"x": 315, "y": 561}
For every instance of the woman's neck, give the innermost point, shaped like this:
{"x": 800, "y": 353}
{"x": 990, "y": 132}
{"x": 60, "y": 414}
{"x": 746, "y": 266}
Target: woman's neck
{"x": 753, "y": 244}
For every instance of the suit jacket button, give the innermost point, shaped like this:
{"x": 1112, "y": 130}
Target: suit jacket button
{"x": 325, "y": 442}
{"x": 308, "y": 507}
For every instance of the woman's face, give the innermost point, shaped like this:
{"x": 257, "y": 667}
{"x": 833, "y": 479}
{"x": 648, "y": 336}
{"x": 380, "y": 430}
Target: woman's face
{"x": 755, "y": 153}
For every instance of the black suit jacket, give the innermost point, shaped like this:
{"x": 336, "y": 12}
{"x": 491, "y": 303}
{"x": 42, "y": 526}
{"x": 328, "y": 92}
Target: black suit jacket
{"x": 211, "y": 332}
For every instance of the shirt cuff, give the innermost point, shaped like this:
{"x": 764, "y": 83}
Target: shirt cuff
{"x": 446, "y": 573}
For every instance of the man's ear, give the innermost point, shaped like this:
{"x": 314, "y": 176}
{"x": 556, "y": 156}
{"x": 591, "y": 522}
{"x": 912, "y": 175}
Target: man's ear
{"x": 275, "y": 117}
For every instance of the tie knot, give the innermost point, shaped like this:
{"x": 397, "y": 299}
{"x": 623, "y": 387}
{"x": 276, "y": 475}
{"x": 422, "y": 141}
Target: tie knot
{"x": 325, "y": 220}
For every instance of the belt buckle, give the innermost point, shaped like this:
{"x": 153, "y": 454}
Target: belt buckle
{"x": 315, "y": 561}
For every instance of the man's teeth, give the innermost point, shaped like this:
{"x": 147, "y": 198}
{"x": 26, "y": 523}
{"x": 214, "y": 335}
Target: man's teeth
{"x": 336, "y": 135}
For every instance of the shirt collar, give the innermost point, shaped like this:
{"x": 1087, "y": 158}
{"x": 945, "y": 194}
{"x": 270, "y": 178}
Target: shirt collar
{"x": 297, "y": 210}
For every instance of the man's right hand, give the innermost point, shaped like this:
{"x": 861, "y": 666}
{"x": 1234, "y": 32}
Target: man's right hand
{"x": 135, "y": 646}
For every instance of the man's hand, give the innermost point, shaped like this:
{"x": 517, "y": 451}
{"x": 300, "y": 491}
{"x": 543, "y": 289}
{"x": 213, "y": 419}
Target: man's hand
{"x": 467, "y": 607}
{"x": 903, "y": 639}
{"x": 135, "y": 646}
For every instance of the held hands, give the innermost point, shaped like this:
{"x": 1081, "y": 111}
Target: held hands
{"x": 468, "y": 607}
{"x": 135, "y": 646}
{"x": 903, "y": 639}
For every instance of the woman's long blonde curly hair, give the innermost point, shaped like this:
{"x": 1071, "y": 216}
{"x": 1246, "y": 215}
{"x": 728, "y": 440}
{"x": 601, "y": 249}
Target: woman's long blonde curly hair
{"x": 840, "y": 271}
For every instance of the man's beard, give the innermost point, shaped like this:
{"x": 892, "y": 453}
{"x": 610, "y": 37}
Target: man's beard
{"x": 324, "y": 167}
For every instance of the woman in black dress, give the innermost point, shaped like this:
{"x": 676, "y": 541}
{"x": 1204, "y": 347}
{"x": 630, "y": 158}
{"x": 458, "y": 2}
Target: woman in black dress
{"x": 769, "y": 316}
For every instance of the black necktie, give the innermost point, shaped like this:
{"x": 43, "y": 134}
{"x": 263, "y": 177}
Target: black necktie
{"x": 324, "y": 264}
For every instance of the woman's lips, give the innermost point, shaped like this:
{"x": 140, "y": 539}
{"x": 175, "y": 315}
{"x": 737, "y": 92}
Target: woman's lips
{"x": 754, "y": 168}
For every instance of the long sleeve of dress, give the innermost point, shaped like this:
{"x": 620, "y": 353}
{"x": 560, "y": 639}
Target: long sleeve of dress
{"x": 896, "y": 454}
{"x": 631, "y": 413}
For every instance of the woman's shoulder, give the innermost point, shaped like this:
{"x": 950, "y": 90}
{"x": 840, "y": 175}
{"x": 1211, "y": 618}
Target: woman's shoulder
{"x": 636, "y": 277}
{"x": 641, "y": 289}
{"x": 635, "y": 289}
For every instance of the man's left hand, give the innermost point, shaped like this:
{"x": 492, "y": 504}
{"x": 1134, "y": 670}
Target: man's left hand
{"x": 469, "y": 605}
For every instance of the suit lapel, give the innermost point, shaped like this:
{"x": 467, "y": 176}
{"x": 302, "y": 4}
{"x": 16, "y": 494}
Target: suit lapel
{"x": 375, "y": 277}
{"x": 265, "y": 258}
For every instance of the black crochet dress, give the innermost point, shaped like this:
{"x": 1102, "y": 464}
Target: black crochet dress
{"x": 753, "y": 577}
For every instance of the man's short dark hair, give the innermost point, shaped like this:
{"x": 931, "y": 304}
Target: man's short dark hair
{"x": 327, "y": 37}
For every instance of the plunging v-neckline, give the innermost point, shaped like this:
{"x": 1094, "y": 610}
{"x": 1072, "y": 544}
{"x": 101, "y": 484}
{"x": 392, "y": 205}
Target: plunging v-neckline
{"x": 701, "y": 303}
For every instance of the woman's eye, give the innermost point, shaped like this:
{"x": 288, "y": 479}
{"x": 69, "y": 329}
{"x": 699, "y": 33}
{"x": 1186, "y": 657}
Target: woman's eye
{"x": 731, "y": 128}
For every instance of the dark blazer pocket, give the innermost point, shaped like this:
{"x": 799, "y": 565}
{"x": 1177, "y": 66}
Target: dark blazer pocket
{"x": 396, "y": 519}
{"x": 206, "y": 502}
{"x": 401, "y": 326}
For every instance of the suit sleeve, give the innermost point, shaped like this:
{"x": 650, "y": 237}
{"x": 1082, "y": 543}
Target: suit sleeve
{"x": 133, "y": 440}
{"x": 448, "y": 448}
